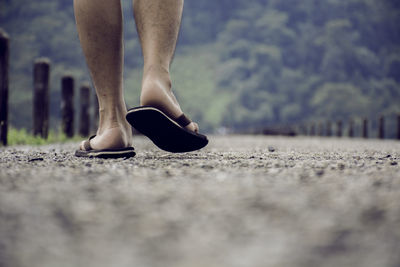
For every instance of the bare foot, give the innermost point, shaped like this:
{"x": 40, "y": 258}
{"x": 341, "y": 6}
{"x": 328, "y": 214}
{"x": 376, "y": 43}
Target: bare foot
{"x": 157, "y": 92}
{"x": 114, "y": 132}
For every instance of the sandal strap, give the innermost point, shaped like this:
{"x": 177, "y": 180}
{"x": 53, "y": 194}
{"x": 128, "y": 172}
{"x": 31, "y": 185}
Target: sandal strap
{"x": 86, "y": 144}
{"x": 183, "y": 121}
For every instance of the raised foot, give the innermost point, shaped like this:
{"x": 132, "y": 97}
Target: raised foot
{"x": 165, "y": 133}
{"x": 157, "y": 92}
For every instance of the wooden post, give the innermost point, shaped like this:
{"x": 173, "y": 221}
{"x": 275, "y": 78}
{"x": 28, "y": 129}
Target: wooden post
{"x": 381, "y": 127}
{"x": 312, "y": 130}
{"x": 351, "y": 128}
{"x": 4, "y": 64}
{"x": 339, "y": 129}
{"x": 320, "y": 129}
{"x": 398, "y": 127}
{"x": 365, "y": 128}
{"x": 67, "y": 105}
{"x": 41, "y": 75}
{"x": 84, "y": 122}
{"x": 328, "y": 129}
{"x": 304, "y": 129}
{"x": 95, "y": 111}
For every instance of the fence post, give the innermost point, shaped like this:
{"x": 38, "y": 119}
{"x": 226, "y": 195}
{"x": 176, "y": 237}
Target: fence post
{"x": 304, "y": 129}
{"x": 95, "y": 111}
{"x": 320, "y": 129}
{"x": 67, "y": 105}
{"x": 381, "y": 127}
{"x": 312, "y": 130}
{"x": 351, "y": 128}
{"x": 297, "y": 130}
{"x": 4, "y": 61}
{"x": 339, "y": 129}
{"x": 84, "y": 122}
{"x": 398, "y": 127}
{"x": 365, "y": 128}
{"x": 328, "y": 129}
{"x": 41, "y": 75}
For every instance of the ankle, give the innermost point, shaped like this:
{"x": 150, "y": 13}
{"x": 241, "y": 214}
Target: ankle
{"x": 115, "y": 129}
{"x": 149, "y": 69}
{"x": 156, "y": 74}
{"x": 112, "y": 117}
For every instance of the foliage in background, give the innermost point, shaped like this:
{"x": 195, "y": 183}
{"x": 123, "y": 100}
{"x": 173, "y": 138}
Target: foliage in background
{"x": 238, "y": 64}
{"x": 312, "y": 60}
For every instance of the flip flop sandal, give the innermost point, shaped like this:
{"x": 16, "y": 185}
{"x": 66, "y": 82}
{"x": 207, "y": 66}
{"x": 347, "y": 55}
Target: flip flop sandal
{"x": 166, "y": 133}
{"x": 89, "y": 152}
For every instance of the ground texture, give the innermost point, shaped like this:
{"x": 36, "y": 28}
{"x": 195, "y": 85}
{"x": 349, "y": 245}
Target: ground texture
{"x": 242, "y": 201}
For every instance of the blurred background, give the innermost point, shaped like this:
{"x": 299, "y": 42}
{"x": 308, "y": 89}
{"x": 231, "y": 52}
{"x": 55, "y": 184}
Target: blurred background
{"x": 239, "y": 65}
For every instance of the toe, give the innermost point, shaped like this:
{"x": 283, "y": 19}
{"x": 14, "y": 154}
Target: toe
{"x": 85, "y": 145}
{"x": 81, "y": 146}
{"x": 194, "y": 127}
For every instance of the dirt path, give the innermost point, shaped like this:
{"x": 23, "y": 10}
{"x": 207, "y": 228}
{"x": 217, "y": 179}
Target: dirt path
{"x": 242, "y": 201}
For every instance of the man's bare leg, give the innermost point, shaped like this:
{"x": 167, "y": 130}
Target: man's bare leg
{"x": 158, "y": 23}
{"x": 99, "y": 24}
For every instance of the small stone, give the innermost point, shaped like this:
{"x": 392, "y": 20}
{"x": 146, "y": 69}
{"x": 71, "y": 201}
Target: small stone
{"x": 271, "y": 149}
{"x": 377, "y": 183}
{"x": 341, "y": 166}
{"x": 373, "y": 215}
{"x": 207, "y": 167}
{"x": 35, "y": 159}
{"x": 393, "y": 163}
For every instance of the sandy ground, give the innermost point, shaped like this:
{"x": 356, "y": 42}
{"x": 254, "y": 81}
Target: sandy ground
{"x": 242, "y": 201}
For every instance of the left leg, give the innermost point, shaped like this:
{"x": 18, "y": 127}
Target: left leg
{"x": 99, "y": 24}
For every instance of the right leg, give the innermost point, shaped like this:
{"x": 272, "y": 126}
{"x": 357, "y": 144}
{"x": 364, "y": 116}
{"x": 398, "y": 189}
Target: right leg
{"x": 158, "y": 23}
{"x": 99, "y": 24}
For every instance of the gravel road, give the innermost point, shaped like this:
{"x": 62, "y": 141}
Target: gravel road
{"x": 242, "y": 201}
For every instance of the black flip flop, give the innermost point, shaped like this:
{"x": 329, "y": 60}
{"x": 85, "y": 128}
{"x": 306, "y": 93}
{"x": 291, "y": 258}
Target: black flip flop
{"x": 89, "y": 152}
{"x": 166, "y": 133}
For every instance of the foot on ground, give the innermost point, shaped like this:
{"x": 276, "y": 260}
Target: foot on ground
{"x": 115, "y": 135}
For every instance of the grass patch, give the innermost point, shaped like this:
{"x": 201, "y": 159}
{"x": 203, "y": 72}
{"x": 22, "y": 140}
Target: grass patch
{"x": 23, "y": 137}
